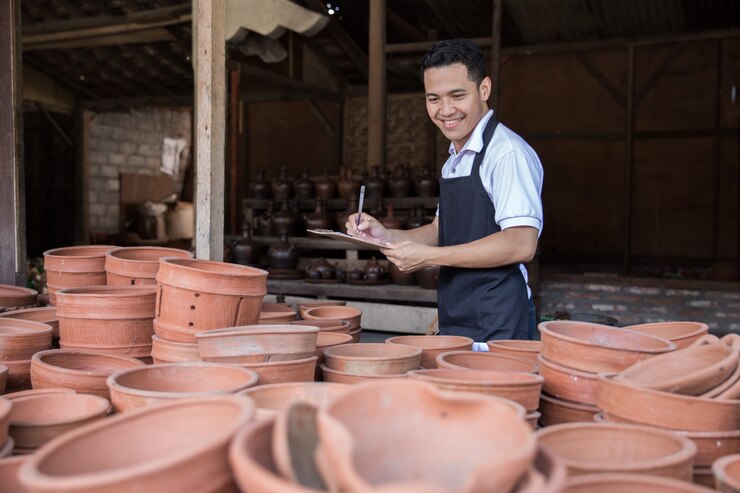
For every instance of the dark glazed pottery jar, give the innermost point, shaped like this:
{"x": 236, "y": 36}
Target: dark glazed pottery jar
{"x": 428, "y": 277}
{"x": 319, "y": 218}
{"x": 264, "y": 221}
{"x": 390, "y": 221}
{"x": 281, "y": 187}
{"x": 375, "y": 185}
{"x": 401, "y": 184}
{"x": 284, "y": 221}
{"x": 417, "y": 218}
{"x": 305, "y": 188}
{"x": 260, "y": 187}
{"x": 427, "y": 183}
{"x": 245, "y": 251}
{"x": 282, "y": 255}
{"x": 373, "y": 270}
{"x": 320, "y": 269}
{"x": 325, "y": 187}
{"x": 347, "y": 187}
{"x": 343, "y": 216}
{"x": 399, "y": 277}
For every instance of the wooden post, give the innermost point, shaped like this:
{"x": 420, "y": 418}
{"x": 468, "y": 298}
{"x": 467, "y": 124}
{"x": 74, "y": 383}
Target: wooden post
{"x": 210, "y": 121}
{"x": 12, "y": 197}
{"x": 234, "y": 149}
{"x": 496, "y": 53}
{"x": 82, "y": 174}
{"x": 629, "y": 160}
{"x": 376, "y": 97}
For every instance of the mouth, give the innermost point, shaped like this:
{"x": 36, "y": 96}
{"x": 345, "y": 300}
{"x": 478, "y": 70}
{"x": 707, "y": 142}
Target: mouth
{"x": 448, "y": 124}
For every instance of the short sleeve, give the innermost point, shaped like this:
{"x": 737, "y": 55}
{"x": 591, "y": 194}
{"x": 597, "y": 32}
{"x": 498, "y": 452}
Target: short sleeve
{"x": 515, "y": 185}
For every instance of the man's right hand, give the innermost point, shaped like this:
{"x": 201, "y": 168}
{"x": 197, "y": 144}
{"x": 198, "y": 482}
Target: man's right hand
{"x": 369, "y": 228}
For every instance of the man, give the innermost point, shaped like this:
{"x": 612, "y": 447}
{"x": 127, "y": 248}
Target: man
{"x": 490, "y": 212}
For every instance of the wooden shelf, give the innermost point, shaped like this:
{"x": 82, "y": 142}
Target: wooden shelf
{"x": 383, "y": 292}
{"x": 305, "y": 242}
{"x": 341, "y": 204}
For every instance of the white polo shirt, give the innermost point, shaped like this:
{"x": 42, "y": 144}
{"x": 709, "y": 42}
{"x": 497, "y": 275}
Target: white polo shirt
{"x": 511, "y": 173}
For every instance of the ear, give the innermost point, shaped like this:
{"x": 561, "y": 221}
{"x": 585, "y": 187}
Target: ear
{"x": 485, "y": 88}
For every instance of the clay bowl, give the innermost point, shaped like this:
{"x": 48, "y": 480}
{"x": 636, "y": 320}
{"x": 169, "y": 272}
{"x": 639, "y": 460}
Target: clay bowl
{"x": 273, "y": 399}
{"x": 5, "y": 409}
{"x": 523, "y": 388}
{"x": 622, "y": 483}
{"x": 129, "y": 266}
{"x": 547, "y": 474}
{"x": 432, "y": 346}
{"x": 298, "y": 370}
{"x": 140, "y": 352}
{"x": 45, "y": 315}
{"x": 523, "y": 349}
{"x": 302, "y": 307}
{"x": 257, "y": 343}
{"x": 348, "y": 313}
{"x": 341, "y": 326}
{"x": 73, "y": 267}
{"x": 593, "y": 347}
{"x": 3, "y": 377}
{"x": 84, "y": 372}
{"x": 704, "y": 476}
{"x": 372, "y": 358}
{"x": 337, "y": 376}
{"x": 15, "y": 297}
{"x": 19, "y": 375}
{"x": 7, "y": 448}
{"x": 406, "y": 430}
{"x": 135, "y": 388}
{"x": 177, "y": 446}
{"x": 356, "y": 335}
{"x": 9, "y": 474}
{"x": 557, "y": 411}
{"x": 37, "y": 419}
{"x": 589, "y": 448}
{"x": 567, "y": 383}
{"x": 663, "y": 409}
{"x": 330, "y": 339}
{"x": 456, "y": 360}
{"x": 164, "y": 351}
{"x": 690, "y": 371}
{"x": 533, "y": 419}
{"x": 20, "y": 339}
{"x": 276, "y": 313}
{"x": 683, "y": 334}
{"x": 727, "y": 473}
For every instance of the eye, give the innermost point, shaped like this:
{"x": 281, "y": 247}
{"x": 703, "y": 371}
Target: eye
{"x": 432, "y": 100}
{"x": 458, "y": 97}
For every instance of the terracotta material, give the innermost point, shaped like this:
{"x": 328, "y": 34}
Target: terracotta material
{"x": 432, "y": 346}
{"x": 84, "y": 372}
{"x": 588, "y": 448}
{"x": 727, "y": 473}
{"x": 303, "y": 306}
{"x": 37, "y": 419}
{"x": 557, "y": 411}
{"x": 593, "y": 347}
{"x": 198, "y": 295}
{"x": 137, "y": 265}
{"x": 4, "y": 377}
{"x": 276, "y": 313}
{"x": 523, "y": 388}
{"x": 485, "y": 361}
{"x": 704, "y": 476}
{"x": 338, "y": 326}
{"x": 391, "y": 432}
{"x": 523, "y": 349}
{"x": 299, "y": 370}
{"x": 135, "y": 388}
{"x": 19, "y": 375}
{"x": 164, "y": 351}
{"x": 275, "y": 398}
{"x": 348, "y": 313}
{"x": 45, "y": 315}
{"x": 330, "y": 339}
{"x": 32, "y": 392}
{"x": 74, "y": 267}
{"x": 665, "y": 410}
{"x": 683, "y": 334}
{"x": 20, "y": 339}
{"x": 567, "y": 383}
{"x": 178, "y": 446}
{"x": 548, "y": 474}
{"x": 258, "y": 343}
{"x": 373, "y": 358}
{"x": 532, "y": 419}
{"x": 622, "y": 483}
{"x": 337, "y": 376}
{"x": 9, "y": 474}
{"x": 140, "y": 352}
{"x": 15, "y": 298}
{"x": 7, "y": 448}
{"x": 356, "y": 334}
{"x": 5, "y": 409}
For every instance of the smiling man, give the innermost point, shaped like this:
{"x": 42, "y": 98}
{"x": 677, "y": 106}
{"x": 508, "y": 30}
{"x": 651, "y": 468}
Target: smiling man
{"x": 490, "y": 213}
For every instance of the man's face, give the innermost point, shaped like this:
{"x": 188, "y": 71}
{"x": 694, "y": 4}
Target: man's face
{"x": 454, "y": 103}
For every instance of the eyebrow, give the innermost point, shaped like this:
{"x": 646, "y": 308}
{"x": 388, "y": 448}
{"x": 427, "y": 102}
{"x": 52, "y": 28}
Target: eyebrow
{"x": 449, "y": 93}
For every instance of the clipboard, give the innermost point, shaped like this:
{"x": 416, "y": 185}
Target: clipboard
{"x": 336, "y": 235}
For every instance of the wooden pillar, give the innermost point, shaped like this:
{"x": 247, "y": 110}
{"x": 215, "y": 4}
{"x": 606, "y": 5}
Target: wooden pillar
{"x": 12, "y": 197}
{"x": 210, "y": 122}
{"x": 496, "y": 53}
{"x": 234, "y": 148}
{"x": 82, "y": 175}
{"x": 376, "y": 91}
{"x": 629, "y": 160}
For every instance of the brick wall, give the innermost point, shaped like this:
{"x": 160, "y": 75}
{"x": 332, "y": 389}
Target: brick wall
{"x": 129, "y": 143}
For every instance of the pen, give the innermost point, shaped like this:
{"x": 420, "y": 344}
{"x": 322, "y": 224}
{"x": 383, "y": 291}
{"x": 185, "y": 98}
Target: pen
{"x": 359, "y": 209}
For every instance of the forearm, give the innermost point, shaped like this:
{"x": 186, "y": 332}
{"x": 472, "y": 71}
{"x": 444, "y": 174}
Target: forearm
{"x": 426, "y": 235}
{"x": 510, "y": 246}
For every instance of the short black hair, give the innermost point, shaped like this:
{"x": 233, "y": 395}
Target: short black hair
{"x": 451, "y": 51}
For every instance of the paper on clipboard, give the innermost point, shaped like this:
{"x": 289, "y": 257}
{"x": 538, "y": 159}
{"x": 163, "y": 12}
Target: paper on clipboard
{"x": 336, "y": 235}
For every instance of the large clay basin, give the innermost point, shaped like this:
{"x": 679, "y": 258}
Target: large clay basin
{"x": 337, "y": 376}
{"x": 303, "y": 306}
{"x": 130, "y": 266}
{"x": 394, "y": 432}
{"x": 140, "y": 352}
{"x": 558, "y": 411}
{"x": 27, "y": 393}
{"x": 523, "y": 388}
{"x": 341, "y": 326}
{"x": 727, "y": 473}
{"x": 44, "y": 315}
{"x": 257, "y": 343}
{"x": 177, "y": 446}
{"x": 372, "y": 358}
{"x": 84, "y": 372}
{"x": 512, "y": 347}
{"x": 9, "y": 474}
{"x": 15, "y": 297}
{"x": 19, "y": 375}
{"x": 593, "y": 347}
{"x": 330, "y": 339}
{"x": 37, "y": 419}
{"x": 589, "y": 448}
{"x": 5, "y": 409}
{"x": 275, "y": 398}
{"x": 485, "y": 361}
{"x": 21, "y": 339}
{"x": 135, "y": 388}
{"x": 432, "y": 346}
{"x": 276, "y": 313}
{"x": 546, "y": 475}
{"x": 164, "y": 351}
{"x": 683, "y": 334}
{"x": 298, "y": 370}
{"x": 623, "y": 483}
{"x": 74, "y": 267}
{"x": 663, "y": 409}
{"x": 348, "y": 313}
{"x": 567, "y": 383}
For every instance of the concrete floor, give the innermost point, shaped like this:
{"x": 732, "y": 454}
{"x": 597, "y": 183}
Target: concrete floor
{"x": 377, "y": 336}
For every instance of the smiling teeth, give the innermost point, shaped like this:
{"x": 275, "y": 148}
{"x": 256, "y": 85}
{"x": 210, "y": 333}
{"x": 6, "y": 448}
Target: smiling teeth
{"x": 449, "y": 123}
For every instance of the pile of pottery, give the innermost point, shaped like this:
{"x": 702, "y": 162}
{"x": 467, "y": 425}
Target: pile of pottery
{"x": 19, "y": 341}
{"x": 17, "y": 298}
{"x": 43, "y": 314}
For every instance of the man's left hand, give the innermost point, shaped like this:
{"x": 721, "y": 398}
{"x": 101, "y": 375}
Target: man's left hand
{"x": 408, "y": 256}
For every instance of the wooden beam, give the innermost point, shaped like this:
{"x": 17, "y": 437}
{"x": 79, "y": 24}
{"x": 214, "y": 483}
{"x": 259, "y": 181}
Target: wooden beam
{"x": 496, "y": 52}
{"x": 234, "y": 74}
{"x": 597, "y": 74}
{"x": 124, "y": 104}
{"x": 55, "y": 125}
{"x": 376, "y": 98}
{"x": 658, "y": 73}
{"x": 210, "y": 121}
{"x": 153, "y": 35}
{"x": 287, "y": 82}
{"x": 344, "y": 40}
{"x": 12, "y": 197}
{"x": 323, "y": 120}
{"x": 403, "y": 26}
{"x": 629, "y": 161}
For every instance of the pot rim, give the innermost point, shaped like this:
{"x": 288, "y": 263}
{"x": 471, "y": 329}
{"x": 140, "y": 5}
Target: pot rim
{"x": 463, "y": 341}
{"x": 307, "y": 312}
{"x": 20, "y": 291}
{"x": 698, "y": 435}
{"x": 482, "y": 354}
{"x": 546, "y": 331}
{"x": 700, "y": 328}
{"x": 248, "y": 330}
{"x": 502, "y": 343}
{"x": 167, "y": 342}
{"x": 557, "y": 367}
{"x": 326, "y": 369}
{"x": 329, "y": 352}
{"x": 578, "y": 406}
{"x": 634, "y": 480}
{"x": 117, "y": 259}
{"x": 102, "y": 408}
{"x": 39, "y": 359}
{"x": 35, "y": 329}
{"x": 238, "y": 270}
{"x": 54, "y": 253}
{"x": 290, "y": 362}
{"x": 525, "y": 379}
{"x": 38, "y": 309}
{"x": 719, "y": 469}
{"x": 110, "y": 291}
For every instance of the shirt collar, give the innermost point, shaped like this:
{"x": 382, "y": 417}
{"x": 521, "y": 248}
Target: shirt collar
{"x": 475, "y": 142}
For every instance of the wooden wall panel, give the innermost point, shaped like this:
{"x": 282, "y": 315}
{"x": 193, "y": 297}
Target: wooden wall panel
{"x": 728, "y": 201}
{"x": 730, "y": 77}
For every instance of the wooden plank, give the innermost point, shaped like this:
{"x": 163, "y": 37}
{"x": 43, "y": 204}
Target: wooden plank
{"x": 597, "y": 74}
{"x": 629, "y": 161}
{"x": 210, "y": 121}
{"x": 344, "y": 40}
{"x": 234, "y": 149}
{"x": 376, "y": 97}
{"x": 153, "y": 35}
{"x": 496, "y": 53}
{"x": 349, "y": 291}
{"x": 124, "y": 104}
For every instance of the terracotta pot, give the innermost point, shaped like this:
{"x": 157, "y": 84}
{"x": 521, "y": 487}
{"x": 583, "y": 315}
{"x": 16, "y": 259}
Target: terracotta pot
{"x": 142, "y": 352}
{"x": 85, "y": 372}
{"x": 621, "y": 483}
{"x": 4, "y": 377}
{"x": 339, "y": 326}
{"x": 301, "y": 307}
{"x": 21, "y": 339}
{"x": 338, "y": 376}
{"x": 558, "y": 411}
{"x": 326, "y": 340}
{"x": 9, "y": 474}
{"x": 19, "y": 375}
{"x": 547, "y": 475}
{"x": 74, "y": 267}
{"x": 137, "y": 265}
{"x": 594, "y": 347}
{"x": 7, "y": 448}
{"x": 276, "y": 398}
{"x": 276, "y": 313}
{"x": 258, "y": 343}
{"x": 348, "y": 313}
{"x": 176, "y": 446}
{"x": 432, "y": 346}
{"x": 37, "y": 419}
{"x": 135, "y": 388}
{"x": 164, "y": 351}
{"x": 373, "y": 358}
{"x": 428, "y": 277}
{"x": 367, "y": 437}
{"x": 14, "y": 298}
{"x": 299, "y": 370}
{"x": 683, "y": 334}
{"x": 485, "y": 361}
{"x": 32, "y": 392}
{"x": 523, "y": 349}
{"x": 45, "y": 315}
{"x": 523, "y": 388}
{"x": 588, "y": 448}
{"x": 665, "y": 410}
{"x": 567, "y": 383}
{"x": 727, "y": 473}
{"x": 6, "y": 408}
{"x": 198, "y": 295}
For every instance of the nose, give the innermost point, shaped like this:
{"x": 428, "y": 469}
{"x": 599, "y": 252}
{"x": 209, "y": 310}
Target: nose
{"x": 447, "y": 108}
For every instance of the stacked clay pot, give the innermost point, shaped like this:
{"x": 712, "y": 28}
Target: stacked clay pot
{"x": 17, "y": 298}
{"x": 74, "y": 267}
{"x": 19, "y": 341}
{"x": 44, "y": 315}
{"x": 336, "y": 313}
{"x": 354, "y": 363}
{"x": 6, "y": 442}
{"x": 432, "y": 346}
{"x": 130, "y": 266}
{"x": 273, "y": 399}
{"x": 276, "y": 313}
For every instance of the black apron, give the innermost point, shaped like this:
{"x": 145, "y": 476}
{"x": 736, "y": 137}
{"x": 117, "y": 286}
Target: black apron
{"x": 483, "y": 304}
